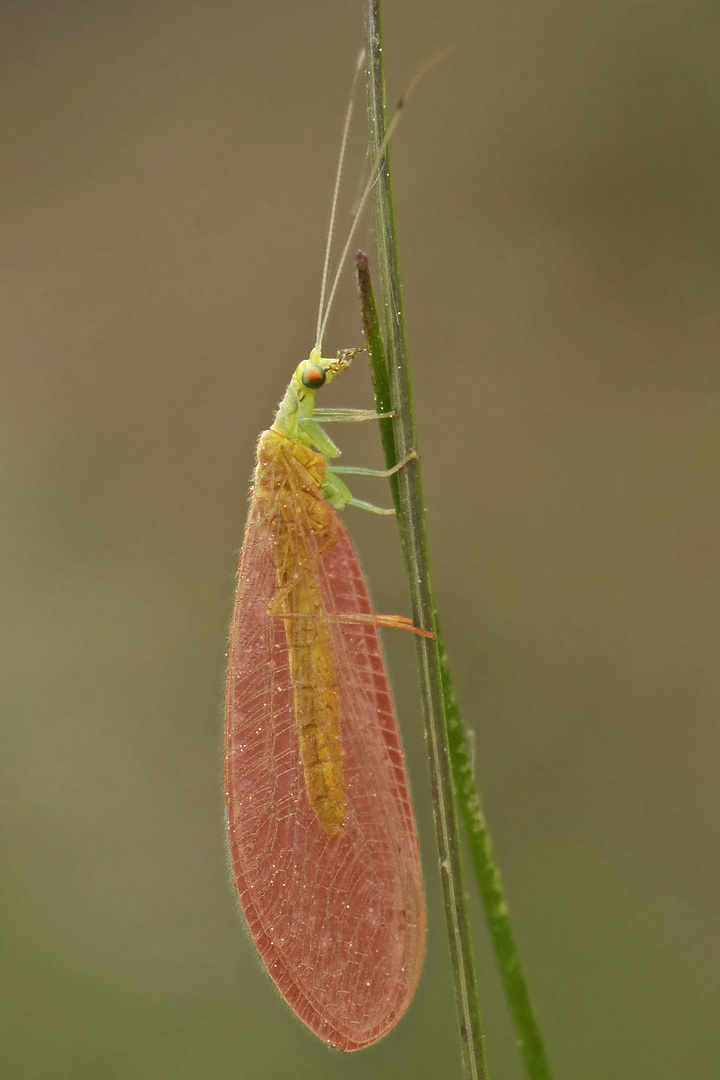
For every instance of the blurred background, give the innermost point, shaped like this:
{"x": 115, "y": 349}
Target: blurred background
{"x": 166, "y": 178}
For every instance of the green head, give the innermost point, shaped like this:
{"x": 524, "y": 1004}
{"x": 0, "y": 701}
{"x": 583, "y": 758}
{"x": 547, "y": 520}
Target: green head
{"x": 299, "y": 402}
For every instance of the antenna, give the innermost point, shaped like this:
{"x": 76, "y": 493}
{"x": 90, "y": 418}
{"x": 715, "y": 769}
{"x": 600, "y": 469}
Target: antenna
{"x": 333, "y": 209}
{"x": 324, "y": 312}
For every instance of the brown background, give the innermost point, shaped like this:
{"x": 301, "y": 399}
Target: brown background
{"x": 166, "y": 172}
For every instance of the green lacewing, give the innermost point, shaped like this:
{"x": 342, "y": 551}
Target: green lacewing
{"x": 322, "y": 836}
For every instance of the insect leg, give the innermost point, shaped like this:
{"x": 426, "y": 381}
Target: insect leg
{"x": 349, "y": 415}
{"x": 360, "y": 470}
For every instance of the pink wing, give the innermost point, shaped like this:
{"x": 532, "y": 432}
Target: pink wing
{"x": 339, "y": 924}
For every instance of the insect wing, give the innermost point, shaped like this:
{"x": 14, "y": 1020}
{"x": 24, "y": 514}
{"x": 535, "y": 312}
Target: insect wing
{"x": 339, "y": 923}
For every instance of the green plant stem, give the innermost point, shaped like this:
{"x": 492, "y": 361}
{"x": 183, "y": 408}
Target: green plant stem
{"x": 416, "y": 559}
{"x": 381, "y": 380}
{"x": 392, "y": 390}
{"x": 489, "y": 881}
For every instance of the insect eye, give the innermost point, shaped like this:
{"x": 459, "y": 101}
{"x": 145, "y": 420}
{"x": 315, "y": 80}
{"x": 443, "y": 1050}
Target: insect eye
{"x": 313, "y": 378}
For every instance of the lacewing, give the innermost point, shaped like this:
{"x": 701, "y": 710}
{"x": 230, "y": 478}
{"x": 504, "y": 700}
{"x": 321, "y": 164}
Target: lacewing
{"x": 322, "y": 836}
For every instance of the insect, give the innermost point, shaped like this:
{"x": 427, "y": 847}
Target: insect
{"x": 322, "y": 837}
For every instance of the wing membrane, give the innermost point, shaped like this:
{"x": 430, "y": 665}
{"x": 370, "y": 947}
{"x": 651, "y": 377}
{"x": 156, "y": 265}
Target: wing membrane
{"x": 339, "y": 922}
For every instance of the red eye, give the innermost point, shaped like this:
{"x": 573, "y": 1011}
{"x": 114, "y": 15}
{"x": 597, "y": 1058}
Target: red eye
{"x": 313, "y": 378}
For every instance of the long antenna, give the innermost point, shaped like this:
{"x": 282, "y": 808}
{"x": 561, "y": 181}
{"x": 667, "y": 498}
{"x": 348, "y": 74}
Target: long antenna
{"x": 333, "y": 210}
{"x": 374, "y": 172}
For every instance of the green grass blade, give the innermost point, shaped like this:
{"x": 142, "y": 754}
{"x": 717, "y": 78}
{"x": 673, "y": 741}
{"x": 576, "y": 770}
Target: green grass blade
{"x": 416, "y": 559}
{"x": 489, "y": 880}
{"x": 407, "y": 493}
{"x": 381, "y": 380}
